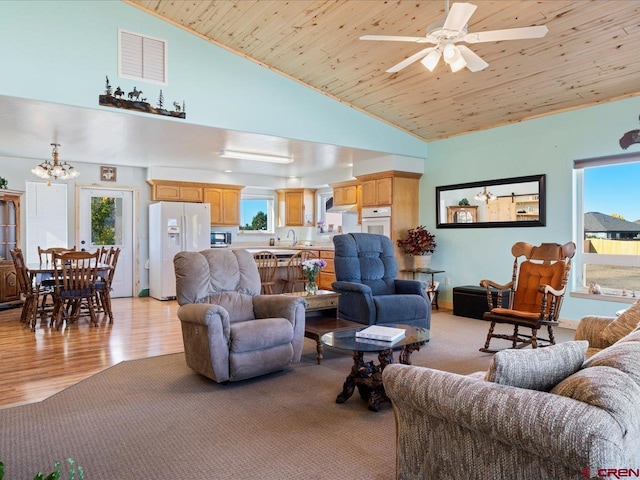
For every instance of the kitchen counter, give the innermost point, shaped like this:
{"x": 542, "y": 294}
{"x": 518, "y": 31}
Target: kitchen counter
{"x": 252, "y": 247}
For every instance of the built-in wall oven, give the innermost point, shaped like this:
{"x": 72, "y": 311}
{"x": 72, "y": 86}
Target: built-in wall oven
{"x": 377, "y": 220}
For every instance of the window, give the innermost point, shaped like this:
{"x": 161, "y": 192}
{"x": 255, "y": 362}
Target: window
{"x": 256, "y": 213}
{"x": 106, "y": 221}
{"x": 609, "y": 224}
{"x": 142, "y": 58}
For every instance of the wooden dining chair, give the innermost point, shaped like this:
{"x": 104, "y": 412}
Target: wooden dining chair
{"x": 75, "y": 276}
{"x": 47, "y": 285}
{"x": 108, "y": 256}
{"x": 28, "y": 290}
{"x": 267, "y": 267}
{"x": 45, "y": 255}
{"x": 295, "y": 273}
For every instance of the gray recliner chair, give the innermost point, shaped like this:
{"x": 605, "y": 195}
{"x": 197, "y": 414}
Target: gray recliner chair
{"x": 366, "y": 272}
{"x": 230, "y": 331}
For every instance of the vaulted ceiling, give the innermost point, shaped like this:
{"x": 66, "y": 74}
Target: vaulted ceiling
{"x": 590, "y": 55}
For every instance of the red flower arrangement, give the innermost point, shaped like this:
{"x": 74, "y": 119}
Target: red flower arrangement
{"x": 418, "y": 242}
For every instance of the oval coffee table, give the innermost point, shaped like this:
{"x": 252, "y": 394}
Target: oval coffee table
{"x": 366, "y": 375}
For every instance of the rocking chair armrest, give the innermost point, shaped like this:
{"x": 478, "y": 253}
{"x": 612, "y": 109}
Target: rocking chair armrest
{"x": 551, "y": 290}
{"x": 489, "y": 283}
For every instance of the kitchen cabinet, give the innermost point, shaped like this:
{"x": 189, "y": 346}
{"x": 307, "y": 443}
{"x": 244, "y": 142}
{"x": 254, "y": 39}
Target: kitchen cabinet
{"x": 9, "y": 239}
{"x": 296, "y": 207}
{"x": 225, "y": 204}
{"x": 345, "y": 194}
{"x": 400, "y": 191}
{"x": 176, "y": 191}
{"x": 327, "y": 274}
{"x": 377, "y": 192}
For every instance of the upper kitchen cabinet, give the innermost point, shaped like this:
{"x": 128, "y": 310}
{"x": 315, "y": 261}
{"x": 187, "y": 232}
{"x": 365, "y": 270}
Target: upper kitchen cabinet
{"x": 296, "y": 207}
{"x": 376, "y": 190}
{"x": 345, "y": 193}
{"x": 164, "y": 190}
{"x": 225, "y": 204}
{"x": 382, "y": 189}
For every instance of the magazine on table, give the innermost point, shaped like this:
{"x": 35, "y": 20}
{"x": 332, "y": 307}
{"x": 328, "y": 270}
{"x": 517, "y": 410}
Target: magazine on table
{"x": 380, "y": 333}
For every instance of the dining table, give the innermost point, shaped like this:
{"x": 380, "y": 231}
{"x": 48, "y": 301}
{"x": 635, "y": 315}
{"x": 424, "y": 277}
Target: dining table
{"x": 41, "y": 271}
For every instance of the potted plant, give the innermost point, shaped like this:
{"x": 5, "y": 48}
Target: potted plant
{"x": 420, "y": 244}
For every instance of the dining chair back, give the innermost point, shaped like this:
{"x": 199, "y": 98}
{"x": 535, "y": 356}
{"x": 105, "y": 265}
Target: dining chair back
{"x": 75, "y": 276}
{"x": 27, "y": 290}
{"x": 267, "y": 266}
{"x": 108, "y": 256}
{"x": 295, "y": 272}
{"x": 45, "y": 255}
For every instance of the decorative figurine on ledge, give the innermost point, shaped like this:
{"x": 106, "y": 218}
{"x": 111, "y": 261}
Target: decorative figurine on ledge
{"x": 136, "y": 102}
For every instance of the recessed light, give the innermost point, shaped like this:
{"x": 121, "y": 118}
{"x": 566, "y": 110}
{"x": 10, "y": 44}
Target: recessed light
{"x": 228, "y": 171}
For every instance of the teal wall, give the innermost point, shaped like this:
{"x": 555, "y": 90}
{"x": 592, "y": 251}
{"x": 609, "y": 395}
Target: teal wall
{"x": 545, "y": 145}
{"x": 60, "y": 51}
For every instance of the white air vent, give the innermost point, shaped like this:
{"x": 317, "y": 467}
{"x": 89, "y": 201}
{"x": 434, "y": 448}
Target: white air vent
{"x": 142, "y": 58}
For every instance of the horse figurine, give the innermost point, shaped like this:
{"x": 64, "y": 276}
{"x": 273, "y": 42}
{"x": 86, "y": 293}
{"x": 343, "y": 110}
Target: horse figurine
{"x": 176, "y": 105}
{"x": 119, "y": 92}
{"x": 135, "y": 94}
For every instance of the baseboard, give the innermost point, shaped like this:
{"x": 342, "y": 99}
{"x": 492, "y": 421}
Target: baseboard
{"x": 567, "y": 323}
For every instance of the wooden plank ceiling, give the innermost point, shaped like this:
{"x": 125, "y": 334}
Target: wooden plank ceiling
{"x": 589, "y": 56}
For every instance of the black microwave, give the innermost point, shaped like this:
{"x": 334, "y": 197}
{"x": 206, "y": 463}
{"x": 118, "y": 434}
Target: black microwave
{"x": 220, "y": 239}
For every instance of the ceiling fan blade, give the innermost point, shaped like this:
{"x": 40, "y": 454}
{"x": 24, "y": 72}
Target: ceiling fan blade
{"x": 394, "y": 38}
{"x": 507, "y": 34}
{"x": 458, "y": 17}
{"x": 408, "y": 61}
{"x": 474, "y": 62}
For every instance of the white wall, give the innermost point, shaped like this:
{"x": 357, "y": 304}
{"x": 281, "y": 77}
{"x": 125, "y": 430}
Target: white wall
{"x": 18, "y": 170}
{"x": 544, "y": 145}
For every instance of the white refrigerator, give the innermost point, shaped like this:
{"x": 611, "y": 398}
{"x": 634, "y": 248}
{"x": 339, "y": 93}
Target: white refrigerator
{"x": 174, "y": 227}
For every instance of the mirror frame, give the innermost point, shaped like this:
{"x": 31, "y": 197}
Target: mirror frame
{"x": 542, "y": 206}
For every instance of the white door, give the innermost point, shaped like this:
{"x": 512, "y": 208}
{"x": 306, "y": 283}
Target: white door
{"x": 106, "y": 219}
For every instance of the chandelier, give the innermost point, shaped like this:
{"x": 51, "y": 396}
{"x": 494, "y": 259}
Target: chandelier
{"x": 484, "y": 195}
{"x": 55, "y": 169}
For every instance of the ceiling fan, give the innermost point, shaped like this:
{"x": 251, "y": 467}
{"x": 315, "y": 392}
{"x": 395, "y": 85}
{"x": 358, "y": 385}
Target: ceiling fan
{"x": 445, "y": 34}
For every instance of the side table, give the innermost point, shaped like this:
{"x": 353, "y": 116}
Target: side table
{"x": 322, "y": 316}
{"x": 432, "y": 290}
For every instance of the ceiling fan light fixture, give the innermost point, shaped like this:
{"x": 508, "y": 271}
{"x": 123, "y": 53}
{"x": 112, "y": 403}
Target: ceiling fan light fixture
{"x": 458, "y": 65}
{"x": 450, "y": 53}
{"x": 431, "y": 60}
{"x": 259, "y": 157}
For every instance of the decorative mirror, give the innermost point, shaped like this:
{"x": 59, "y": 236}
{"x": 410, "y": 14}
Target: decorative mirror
{"x": 506, "y": 202}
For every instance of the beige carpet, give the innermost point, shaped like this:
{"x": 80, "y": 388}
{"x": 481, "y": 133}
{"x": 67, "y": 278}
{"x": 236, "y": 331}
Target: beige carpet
{"x": 155, "y": 418}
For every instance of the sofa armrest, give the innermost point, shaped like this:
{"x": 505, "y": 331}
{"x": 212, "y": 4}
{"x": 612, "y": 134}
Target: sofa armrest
{"x": 284, "y": 306}
{"x": 218, "y": 330}
{"x": 449, "y": 426}
{"x": 411, "y": 287}
{"x": 351, "y": 287}
{"x": 356, "y": 302}
{"x": 590, "y": 328}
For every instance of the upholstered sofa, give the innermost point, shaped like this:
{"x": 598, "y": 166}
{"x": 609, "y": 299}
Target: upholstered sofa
{"x": 230, "y": 331}
{"x": 545, "y": 414}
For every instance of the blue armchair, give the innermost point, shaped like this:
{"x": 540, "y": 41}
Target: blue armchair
{"x": 365, "y": 269}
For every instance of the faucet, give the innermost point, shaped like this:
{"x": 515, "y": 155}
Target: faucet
{"x": 295, "y": 239}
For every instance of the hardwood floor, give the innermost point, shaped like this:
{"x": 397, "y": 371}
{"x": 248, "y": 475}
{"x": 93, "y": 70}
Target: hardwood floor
{"x": 34, "y": 366}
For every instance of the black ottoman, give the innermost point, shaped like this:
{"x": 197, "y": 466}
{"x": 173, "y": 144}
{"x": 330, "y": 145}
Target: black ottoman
{"x": 471, "y": 301}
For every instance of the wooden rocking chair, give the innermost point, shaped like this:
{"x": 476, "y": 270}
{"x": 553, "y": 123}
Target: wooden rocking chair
{"x": 536, "y": 292}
